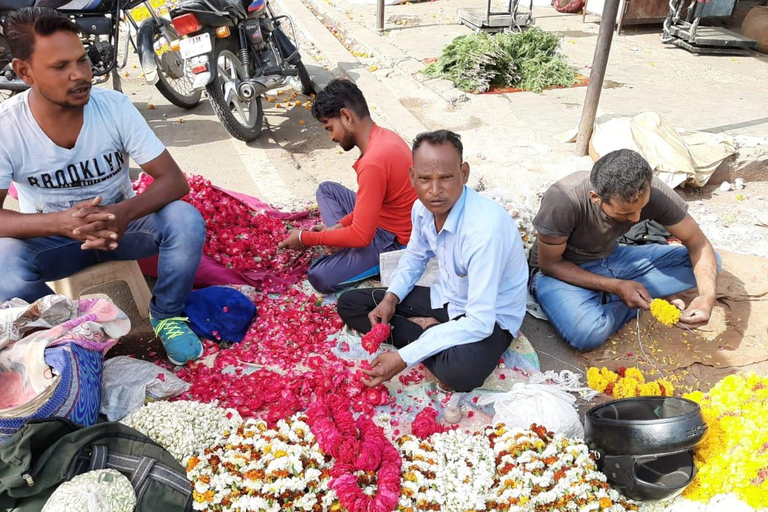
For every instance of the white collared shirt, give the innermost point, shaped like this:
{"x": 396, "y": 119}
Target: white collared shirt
{"x": 483, "y": 273}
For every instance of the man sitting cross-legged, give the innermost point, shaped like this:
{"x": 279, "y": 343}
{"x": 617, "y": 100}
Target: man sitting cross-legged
{"x": 357, "y": 228}
{"x": 66, "y": 145}
{"x": 587, "y": 284}
{"x": 460, "y": 327}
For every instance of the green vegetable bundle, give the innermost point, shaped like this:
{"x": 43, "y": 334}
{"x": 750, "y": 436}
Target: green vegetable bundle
{"x": 527, "y": 60}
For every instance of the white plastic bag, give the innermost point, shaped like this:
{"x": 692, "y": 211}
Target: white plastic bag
{"x": 128, "y": 383}
{"x": 542, "y": 404}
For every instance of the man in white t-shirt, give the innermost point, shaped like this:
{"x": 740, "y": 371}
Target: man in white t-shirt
{"x": 66, "y": 147}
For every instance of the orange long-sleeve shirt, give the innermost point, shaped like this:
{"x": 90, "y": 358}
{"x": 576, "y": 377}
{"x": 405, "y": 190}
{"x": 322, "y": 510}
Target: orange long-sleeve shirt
{"x": 385, "y": 195}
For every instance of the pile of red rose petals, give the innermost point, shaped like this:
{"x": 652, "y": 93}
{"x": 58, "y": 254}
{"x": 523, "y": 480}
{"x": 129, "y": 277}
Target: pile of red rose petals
{"x": 238, "y": 237}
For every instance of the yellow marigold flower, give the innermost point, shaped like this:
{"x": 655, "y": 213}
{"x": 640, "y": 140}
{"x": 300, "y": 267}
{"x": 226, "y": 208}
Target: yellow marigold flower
{"x": 650, "y": 389}
{"x": 609, "y": 375}
{"x": 667, "y": 388}
{"x": 192, "y": 463}
{"x": 626, "y": 388}
{"x": 665, "y": 312}
{"x": 605, "y": 503}
{"x": 635, "y": 374}
{"x": 595, "y": 380}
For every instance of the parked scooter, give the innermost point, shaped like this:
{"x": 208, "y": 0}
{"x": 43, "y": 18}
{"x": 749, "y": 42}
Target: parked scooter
{"x": 156, "y": 42}
{"x": 238, "y": 51}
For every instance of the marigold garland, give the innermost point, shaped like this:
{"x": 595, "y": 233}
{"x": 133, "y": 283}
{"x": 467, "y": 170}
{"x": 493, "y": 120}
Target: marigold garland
{"x": 626, "y": 383}
{"x": 733, "y": 457}
{"x": 665, "y": 312}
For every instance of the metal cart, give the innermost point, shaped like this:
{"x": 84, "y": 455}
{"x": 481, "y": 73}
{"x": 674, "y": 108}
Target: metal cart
{"x": 688, "y": 34}
{"x": 488, "y": 20}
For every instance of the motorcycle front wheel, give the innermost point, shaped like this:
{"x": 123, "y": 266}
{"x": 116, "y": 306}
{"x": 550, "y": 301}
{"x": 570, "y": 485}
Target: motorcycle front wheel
{"x": 243, "y": 119}
{"x": 173, "y": 79}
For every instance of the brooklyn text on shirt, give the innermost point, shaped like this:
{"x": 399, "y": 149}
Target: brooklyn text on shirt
{"x": 81, "y": 174}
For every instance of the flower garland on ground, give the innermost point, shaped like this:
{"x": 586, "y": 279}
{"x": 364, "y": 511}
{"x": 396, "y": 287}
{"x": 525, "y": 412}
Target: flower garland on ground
{"x": 452, "y": 471}
{"x": 238, "y": 237}
{"x": 733, "y": 458}
{"x": 541, "y": 471}
{"x": 665, "y": 312}
{"x": 363, "y": 455}
{"x": 183, "y": 428}
{"x": 257, "y": 468}
{"x": 626, "y": 383}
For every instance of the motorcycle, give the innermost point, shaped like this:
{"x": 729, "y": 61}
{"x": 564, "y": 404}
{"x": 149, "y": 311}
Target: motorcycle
{"x": 238, "y": 51}
{"x": 156, "y": 42}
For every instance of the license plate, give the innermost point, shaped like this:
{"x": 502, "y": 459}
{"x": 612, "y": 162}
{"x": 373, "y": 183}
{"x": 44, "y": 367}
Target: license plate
{"x": 194, "y": 46}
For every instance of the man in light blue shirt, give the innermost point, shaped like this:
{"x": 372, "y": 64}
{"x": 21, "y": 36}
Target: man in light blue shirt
{"x": 460, "y": 327}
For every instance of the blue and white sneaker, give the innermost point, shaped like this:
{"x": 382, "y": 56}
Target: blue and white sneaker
{"x": 181, "y": 344}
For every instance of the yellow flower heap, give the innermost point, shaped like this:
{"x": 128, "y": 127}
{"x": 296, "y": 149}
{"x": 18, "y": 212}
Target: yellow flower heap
{"x": 733, "y": 458}
{"x": 628, "y": 382}
{"x": 665, "y": 312}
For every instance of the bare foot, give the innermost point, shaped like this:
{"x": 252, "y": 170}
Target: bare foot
{"x": 424, "y": 321}
{"x": 445, "y": 388}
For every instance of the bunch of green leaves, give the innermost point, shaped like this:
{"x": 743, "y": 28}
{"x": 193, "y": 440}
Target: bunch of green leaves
{"x": 474, "y": 63}
{"x": 528, "y": 60}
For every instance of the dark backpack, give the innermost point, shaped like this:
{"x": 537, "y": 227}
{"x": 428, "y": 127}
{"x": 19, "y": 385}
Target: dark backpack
{"x": 44, "y": 454}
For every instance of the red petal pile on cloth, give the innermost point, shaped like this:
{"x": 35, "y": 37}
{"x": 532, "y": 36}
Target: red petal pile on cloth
{"x": 425, "y": 424}
{"x": 241, "y": 239}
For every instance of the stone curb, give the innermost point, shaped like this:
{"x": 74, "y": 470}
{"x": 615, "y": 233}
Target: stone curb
{"x": 390, "y": 54}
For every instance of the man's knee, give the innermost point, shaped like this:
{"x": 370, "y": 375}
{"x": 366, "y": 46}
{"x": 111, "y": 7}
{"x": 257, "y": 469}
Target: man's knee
{"x": 16, "y": 265}
{"x": 181, "y": 218}
{"x": 349, "y": 304}
{"x": 325, "y": 189}
{"x": 585, "y": 338}
{"x": 321, "y": 280}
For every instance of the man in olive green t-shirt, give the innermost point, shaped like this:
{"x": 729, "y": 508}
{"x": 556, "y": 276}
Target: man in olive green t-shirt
{"x": 586, "y": 283}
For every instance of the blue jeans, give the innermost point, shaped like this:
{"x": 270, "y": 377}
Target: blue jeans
{"x": 176, "y": 232}
{"x": 586, "y": 318}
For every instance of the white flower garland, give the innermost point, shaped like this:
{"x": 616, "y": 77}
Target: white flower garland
{"x": 453, "y": 471}
{"x": 184, "y": 427}
{"x": 540, "y": 471}
{"x": 257, "y": 468}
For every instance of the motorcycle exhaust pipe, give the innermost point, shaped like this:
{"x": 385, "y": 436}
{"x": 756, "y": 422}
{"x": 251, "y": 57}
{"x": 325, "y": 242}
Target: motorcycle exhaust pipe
{"x": 246, "y": 91}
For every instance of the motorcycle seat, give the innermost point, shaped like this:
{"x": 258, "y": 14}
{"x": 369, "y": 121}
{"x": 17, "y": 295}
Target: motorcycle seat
{"x": 14, "y": 5}
{"x": 234, "y": 6}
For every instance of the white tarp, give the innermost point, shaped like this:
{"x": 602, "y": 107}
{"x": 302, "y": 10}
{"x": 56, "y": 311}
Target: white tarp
{"x": 676, "y": 156}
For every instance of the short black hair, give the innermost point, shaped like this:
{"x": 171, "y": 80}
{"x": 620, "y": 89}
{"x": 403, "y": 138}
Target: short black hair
{"x": 339, "y": 94}
{"x": 22, "y": 26}
{"x": 437, "y": 138}
{"x": 623, "y": 174}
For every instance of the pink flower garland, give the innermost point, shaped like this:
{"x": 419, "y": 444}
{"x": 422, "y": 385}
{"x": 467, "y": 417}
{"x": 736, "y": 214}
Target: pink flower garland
{"x": 373, "y": 339}
{"x": 425, "y": 424}
{"x": 357, "y": 446}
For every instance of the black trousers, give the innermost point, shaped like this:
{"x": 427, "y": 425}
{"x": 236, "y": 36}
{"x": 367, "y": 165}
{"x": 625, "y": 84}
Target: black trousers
{"x": 461, "y": 367}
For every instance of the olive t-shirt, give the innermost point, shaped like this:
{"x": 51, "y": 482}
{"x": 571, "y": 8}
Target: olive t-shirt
{"x": 567, "y": 210}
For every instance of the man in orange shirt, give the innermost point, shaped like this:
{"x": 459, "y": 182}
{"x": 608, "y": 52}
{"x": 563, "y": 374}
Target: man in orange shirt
{"x": 357, "y": 227}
